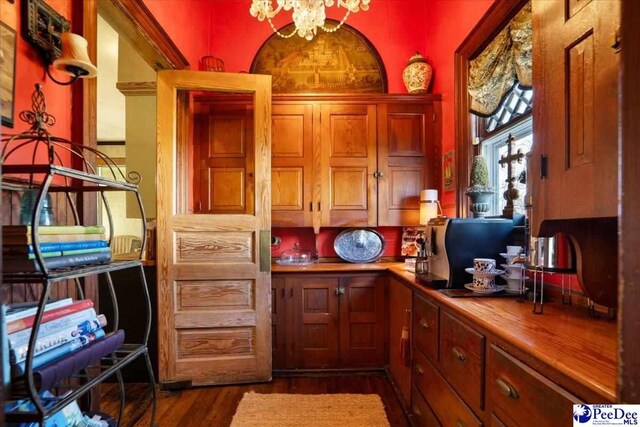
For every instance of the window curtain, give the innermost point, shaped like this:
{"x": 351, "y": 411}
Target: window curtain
{"x": 504, "y": 63}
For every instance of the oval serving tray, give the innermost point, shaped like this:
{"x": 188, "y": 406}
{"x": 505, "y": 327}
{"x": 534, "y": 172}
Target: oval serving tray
{"x": 359, "y": 245}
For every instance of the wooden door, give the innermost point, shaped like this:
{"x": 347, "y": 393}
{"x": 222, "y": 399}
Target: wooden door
{"x": 575, "y": 77}
{"x": 292, "y": 157}
{"x": 406, "y": 153}
{"x": 400, "y": 309}
{"x": 316, "y": 320}
{"x": 362, "y": 321}
{"x": 214, "y": 285}
{"x": 348, "y": 165}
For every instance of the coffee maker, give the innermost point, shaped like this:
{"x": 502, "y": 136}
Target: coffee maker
{"x": 455, "y": 242}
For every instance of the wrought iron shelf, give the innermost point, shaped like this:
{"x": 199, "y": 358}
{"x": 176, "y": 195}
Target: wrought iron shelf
{"x": 107, "y": 366}
{"x": 69, "y": 273}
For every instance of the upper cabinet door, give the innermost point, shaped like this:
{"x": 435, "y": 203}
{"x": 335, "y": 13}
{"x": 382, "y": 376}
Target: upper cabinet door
{"x": 406, "y": 154}
{"x": 214, "y": 142}
{"x": 575, "y": 79}
{"x": 292, "y": 160}
{"x": 348, "y": 164}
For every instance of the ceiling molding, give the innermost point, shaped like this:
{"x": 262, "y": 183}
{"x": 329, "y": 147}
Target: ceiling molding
{"x": 136, "y": 24}
{"x": 137, "y": 88}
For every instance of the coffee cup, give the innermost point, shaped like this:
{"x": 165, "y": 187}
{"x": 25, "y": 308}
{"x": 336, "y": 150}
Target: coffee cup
{"x": 514, "y": 250}
{"x": 513, "y": 271}
{"x": 484, "y": 283}
{"x": 484, "y": 264}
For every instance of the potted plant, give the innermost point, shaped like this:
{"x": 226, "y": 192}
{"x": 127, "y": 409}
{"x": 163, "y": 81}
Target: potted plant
{"x": 479, "y": 190}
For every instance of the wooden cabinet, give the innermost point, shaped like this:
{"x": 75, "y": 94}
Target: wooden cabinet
{"x": 400, "y": 303}
{"x": 346, "y": 161}
{"x": 329, "y": 321}
{"x": 348, "y": 165}
{"x": 425, "y": 327}
{"x": 575, "y": 78}
{"x": 462, "y": 359}
{"x": 406, "y": 133}
{"x": 421, "y": 412}
{"x": 292, "y": 159}
{"x": 518, "y": 395}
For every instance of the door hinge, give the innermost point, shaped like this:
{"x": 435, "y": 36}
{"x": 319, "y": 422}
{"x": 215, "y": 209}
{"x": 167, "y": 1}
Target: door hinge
{"x": 543, "y": 166}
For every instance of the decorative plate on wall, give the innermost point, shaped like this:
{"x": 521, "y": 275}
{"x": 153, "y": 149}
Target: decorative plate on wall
{"x": 359, "y": 245}
{"x": 340, "y": 62}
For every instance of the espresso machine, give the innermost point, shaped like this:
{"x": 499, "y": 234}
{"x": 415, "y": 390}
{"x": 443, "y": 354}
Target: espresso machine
{"x": 454, "y": 242}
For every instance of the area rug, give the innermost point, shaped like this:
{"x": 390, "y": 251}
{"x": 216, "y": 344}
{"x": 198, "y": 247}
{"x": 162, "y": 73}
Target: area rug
{"x": 310, "y": 410}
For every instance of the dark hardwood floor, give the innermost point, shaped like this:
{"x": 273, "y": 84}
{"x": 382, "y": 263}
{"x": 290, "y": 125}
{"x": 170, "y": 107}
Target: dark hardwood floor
{"x": 215, "y": 406}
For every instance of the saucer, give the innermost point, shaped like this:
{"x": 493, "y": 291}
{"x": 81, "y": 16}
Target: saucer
{"x": 476, "y": 290}
{"x": 491, "y": 273}
{"x": 509, "y": 257}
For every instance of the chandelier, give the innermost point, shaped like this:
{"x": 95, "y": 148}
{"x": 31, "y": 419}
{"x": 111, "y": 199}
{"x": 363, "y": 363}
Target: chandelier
{"x": 308, "y": 15}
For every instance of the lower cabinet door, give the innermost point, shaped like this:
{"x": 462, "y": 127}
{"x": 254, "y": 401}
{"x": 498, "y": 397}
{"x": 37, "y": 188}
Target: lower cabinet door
{"x": 316, "y": 325}
{"x": 362, "y": 321}
{"x": 421, "y": 413}
{"x": 446, "y": 404}
{"x": 520, "y": 396}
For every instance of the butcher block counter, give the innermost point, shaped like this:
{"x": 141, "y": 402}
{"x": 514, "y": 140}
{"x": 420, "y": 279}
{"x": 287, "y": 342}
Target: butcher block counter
{"x": 561, "y": 354}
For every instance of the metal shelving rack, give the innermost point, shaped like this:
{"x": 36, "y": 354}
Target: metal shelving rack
{"x": 54, "y": 176}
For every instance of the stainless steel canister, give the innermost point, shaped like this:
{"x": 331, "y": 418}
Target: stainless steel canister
{"x": 551, "y": 253}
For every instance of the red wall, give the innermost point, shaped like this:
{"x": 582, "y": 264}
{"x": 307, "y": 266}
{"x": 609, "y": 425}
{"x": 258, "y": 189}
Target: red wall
{"x": 29, "y": 71}
{"x": 449, "y": 23}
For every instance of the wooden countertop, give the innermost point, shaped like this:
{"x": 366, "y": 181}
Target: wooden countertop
{"x": 564, "y": 337}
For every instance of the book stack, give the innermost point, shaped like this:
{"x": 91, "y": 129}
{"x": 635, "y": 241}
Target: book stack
{"x": 70, "y": 336}
{"x": 62, "y": 246}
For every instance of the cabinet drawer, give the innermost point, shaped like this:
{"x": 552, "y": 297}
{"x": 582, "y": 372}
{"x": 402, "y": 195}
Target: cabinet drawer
{"x": 462, "y": 358}
{"x": 425, "y": 327}
{"x": 447, "y": 406}
{"x": 422, "y": 414}
{"x": 518, "y": 395}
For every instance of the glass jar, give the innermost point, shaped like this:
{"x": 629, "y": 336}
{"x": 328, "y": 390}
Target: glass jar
{"x": 422, "y": 265}
{"x": 296, "y": 256}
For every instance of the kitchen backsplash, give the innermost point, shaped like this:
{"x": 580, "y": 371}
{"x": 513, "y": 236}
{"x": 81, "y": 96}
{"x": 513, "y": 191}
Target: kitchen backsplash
{"x": 307, "y": 240}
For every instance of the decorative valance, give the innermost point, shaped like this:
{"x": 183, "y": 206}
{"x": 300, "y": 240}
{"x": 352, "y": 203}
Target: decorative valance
{"x": 504, "y": 63}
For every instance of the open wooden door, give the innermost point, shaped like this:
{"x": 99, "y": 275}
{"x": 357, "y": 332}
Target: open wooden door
{"x": 213, "y": 230}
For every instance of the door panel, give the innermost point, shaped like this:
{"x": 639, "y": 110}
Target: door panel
{"x": 316, "y": 320}
{"x": 292, "y": 166}
{"x": 348, "y": 141}
{"x": 213, "y": 212}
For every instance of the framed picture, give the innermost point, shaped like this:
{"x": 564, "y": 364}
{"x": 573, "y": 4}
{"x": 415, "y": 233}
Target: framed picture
{"x": 7, "y": 72}
{"x": 340, "y": 62}
{"x": 448, "y": 171}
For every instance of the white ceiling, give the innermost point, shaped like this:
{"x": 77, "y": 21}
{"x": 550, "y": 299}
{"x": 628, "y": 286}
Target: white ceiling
{"x": 111, "y": 103}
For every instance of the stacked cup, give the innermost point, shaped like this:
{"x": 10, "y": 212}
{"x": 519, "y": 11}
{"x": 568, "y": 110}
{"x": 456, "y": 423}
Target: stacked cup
{"x": 513, "y": 271}
{"x": 484, "y": 277}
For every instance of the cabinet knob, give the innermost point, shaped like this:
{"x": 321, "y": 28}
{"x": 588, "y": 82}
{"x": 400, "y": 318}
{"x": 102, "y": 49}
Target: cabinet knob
{"x": 339, "y": 291}
{"x": 460, "y": 423}
{"x": 424, "y": 324}
{"x": 506, "y": 388}
{"x": 417, "y": 412}
{"x": 615, "y": 40}
{"x": 378, "y": 175}
{"x": 419, "y": 370}
{"x": 458, "y": 354}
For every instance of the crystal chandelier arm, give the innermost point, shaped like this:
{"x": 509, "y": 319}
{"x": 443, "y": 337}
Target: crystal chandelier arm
{"x": 337, "y": 27}
{"x": 262, "y": 9}
{"x": 275, "y": 30}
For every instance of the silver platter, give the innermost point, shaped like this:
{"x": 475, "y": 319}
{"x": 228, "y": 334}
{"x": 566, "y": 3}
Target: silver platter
{"x": 359, "y": 245}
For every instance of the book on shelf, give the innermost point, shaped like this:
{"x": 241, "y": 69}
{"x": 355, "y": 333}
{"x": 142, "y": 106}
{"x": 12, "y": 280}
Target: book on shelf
{"x": 25, "y": 239}
{"x": 4, "y": 349}
{"x": 54, "y": 247}
{"x": 47, "y": 316}
{"x": 20, "y": 338}
{"x": 8, "y": 257}
{"x": 51, "y": 374}
{"x": 70, "y": 415}
{"x": 54, "y": 263}
{"x": 12, "y": 230}
{"x": 18, "y": 369}
{"x": 21, "y": 310}
{"x": 19, "y": 353}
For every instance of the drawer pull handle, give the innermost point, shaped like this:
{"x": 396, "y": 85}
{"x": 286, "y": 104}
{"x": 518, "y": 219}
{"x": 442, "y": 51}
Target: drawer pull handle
{"x": 506, "y": 388}
{"x": 419, "y": 370}
{"x": 424, "y": 324}
{"x": 458, "y": 354}
{"x": 417, "y": 412}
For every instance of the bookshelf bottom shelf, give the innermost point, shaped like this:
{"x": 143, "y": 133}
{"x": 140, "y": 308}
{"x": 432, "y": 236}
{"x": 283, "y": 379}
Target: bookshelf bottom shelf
{"x": 108, "y": 365}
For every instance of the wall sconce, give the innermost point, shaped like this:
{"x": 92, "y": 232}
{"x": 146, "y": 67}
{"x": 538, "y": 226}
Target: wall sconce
{"x": 48, "y": 31}
{"x": 429, "y": 206}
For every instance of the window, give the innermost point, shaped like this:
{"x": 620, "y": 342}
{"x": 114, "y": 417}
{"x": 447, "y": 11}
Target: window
{"x": 517, "y": 103}
{"x": 493, "y": 148}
